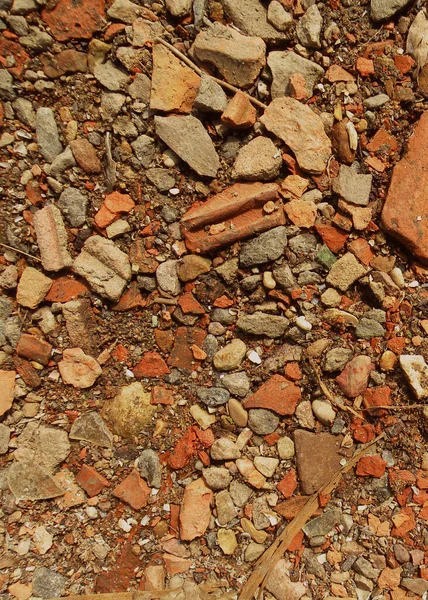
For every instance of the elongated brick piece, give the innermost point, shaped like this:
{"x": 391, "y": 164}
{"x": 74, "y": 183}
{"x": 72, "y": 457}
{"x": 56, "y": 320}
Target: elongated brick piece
{"x": 52, "y": 238}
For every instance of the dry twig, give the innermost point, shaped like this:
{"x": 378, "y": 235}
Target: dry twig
{"x": 20, "y": 251}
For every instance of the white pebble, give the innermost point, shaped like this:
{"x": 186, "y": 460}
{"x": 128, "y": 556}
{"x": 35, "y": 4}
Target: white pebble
{"x": 92, "y": 512}
{"x": 323, "y": 412}
{"x": 397, "y": 277}
{"x": 254, "y": 357}
{"x": 124, "y": 525}
{"x": 303, "y": 323}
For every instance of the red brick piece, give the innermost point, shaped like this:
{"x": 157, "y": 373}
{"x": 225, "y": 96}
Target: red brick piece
{"x": 74, "y": 19}
{"x": 332, "y": 237}
{"x": 238, "y": 211}
{"x": 288, "y": 484}
{"x": 277, "y": 394}
{"x": 7, "y": 386}
{"x": 34, "y": 349}
{"x": 133, "y": 490}
{"x": 91, "y": 481}
{"x": 151, "y": 365}
{"x": 371, "y": 466}
{"x": 182, "y": 355}
{"x": 406, "y": 204}
{"x": 239, "y": 113}
{"x": 161, "y": 395}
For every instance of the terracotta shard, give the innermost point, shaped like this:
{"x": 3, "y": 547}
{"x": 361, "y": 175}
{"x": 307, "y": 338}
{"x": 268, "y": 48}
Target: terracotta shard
{"x": 278, "y": 394}
{"x": 236, "y": 213}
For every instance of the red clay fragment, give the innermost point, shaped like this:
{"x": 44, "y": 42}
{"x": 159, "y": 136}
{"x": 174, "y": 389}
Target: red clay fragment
{"x": 239, "y": 209}
{"x": 277, "y": 394}
{"x": 184, "y": 449}
{"x": 75, "y": 19}
{"x": 133, "y": 490}
{"x": 151, "y": 365}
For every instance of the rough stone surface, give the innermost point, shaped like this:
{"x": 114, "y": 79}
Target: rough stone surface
{"x": 259, "y": 160}
{"x": 211, "y": 97}
{"x": 186, "y": 136}
{"x": 195, "y": 510}
{"x": 266, "y": 247}
{"x": 231, "y": 356}
{"x": 78, "y": 369}
{"x": 345, "y": 272}
{"x": 52, "y": 238}
{"x": 238, "y": 384}
{"x": 318, "y": 458}
{"x": 416, "y": 372}
{"x": 90, "y": 427}
{"x": 47, "y": 134}
{"x": 262, "y": 421}
{"x": 32, "y": 288}
{"x": 48, "y": 446}
{"x": 280, "y": 585}
{"x": 284, "y": 64}
{"x": 309, "y": 28}
{"x": 251, "y": 18}
{"x": 354, "y": 378}
{"x": 237, "y": 57}
{"x": 259, "y": 323}
{"x": 406, "y": 203}
{"x": 73, "y": 205}
{"x": 381, "y": 10}
{"x": 130, "y": 411}
{"x": 353, "y": 187}
{"x": 302, "y": 130}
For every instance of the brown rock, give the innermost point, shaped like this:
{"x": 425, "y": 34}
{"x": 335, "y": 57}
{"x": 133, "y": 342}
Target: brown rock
{"x": 34, "y": 349}
{"x": 32, "y": 288}
{"x": 340, "y": 142}
{"x": 301, "y": 212}
{"x": 277, "y": 394}
{"x": 302, "y": 130}
{"x": 338, "y": 73}
{"x": 406, "y": 204}
{"x": 354, "y": 378}
{"x": 85, "y": 155}
{"x": 318, "y": 458}
{"x": 239, "y": 211}
{"x": 81, "y": 325}
{"x": 195, "y": 511}
{"x": 52, "y": 238}
{"x": 192, "y": 266}
{"x": 174, "y": 85}
{"x": 239, "y": 113}
{"x": 133, "y": 490}
{"x": 78, "y": 369}
{"x": 7, "y": 386}
{"x": 67, "y": 61}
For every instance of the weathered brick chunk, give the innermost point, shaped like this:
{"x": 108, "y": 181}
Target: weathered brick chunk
{"x": 52, "y": 238}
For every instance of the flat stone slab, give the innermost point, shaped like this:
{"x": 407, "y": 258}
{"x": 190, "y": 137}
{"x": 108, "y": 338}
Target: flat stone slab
{"x": 405, "y": 212}
{"x": 318, "y": 458}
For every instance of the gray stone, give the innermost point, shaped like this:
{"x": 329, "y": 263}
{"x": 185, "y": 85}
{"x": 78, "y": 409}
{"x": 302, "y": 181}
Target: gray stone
{"x": 251, "y": 17}
{"x": 22, "y": 7}
{"x": 323, "y": 524}
{"x": 259, "y": 517}
{"x": 352, "y": 186}
{"x": 226, "y": 510}
{"x": 303, "y": 244}
{"x": 4, "y": 438}
{"x": 25, "y": 112}
{"x": 213, "y": 396}
{"x": 369, "y": 328}
{"x": 144, "y": 149}
{"x": 149, "y": 467}
{"x": 259, "y": 160}
{"x": 376, "y": 101}
{"x": 47, "y": 134}
{"x": 312, "y": 565}
{"x": 37, "y": 40}
{"x": 18, "y": 24}
{"x": 48, "y": 583}
{"x": 253, "y": 551}
{"x": 47, "y": 446}
{"x": 284, "y": 277}
{"x": 5, "y": 4}
{"x": 363, "y": 567}
{"x": 217, "y": 478}
{"x": 179, "y": 8}
{"x": 262, "y": 421}
{"x": 140, "y": 88}
{"x": 90, "y": 427}
{"x": 161, "y": 178}
{"x": 309, "y": 28}
{"x": 63, "y": 161}
{"x": 211, "y": 97}
{"x": 167, "y": 277}
{"x": 225, "y": 316}
{"x": 73, "y": 204}
{"x": 123, "y": 125}
{"x": 111, "y": 77}
{"x": 238, "y": 384}
{"x": 266, "y": 247}
{"x": 187, "y": 137}
{"x": 28, "y": 481}
{"x": 284, "y": 64}
{"x": 381, "y": 10}
{"x": 111, "y": 104}
{"x": 415, "y": 585}
{"x": 6, "y": 85}
{"x": 260, "y": 323}
{"x": 240, "y": 493}
{"x": 238, "y": 58}
{"x": 278, "y": 16}
{"x": 336, "y": 359}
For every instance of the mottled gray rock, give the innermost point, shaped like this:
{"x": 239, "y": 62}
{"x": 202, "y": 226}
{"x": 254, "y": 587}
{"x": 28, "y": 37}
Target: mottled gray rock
{"x": 111, "y": 77}
{"x": 337, "y": 358}
{"x": 28, "y": 481}
{"x": 123, "y": 125}
{"x": 48, "y": 446}
{"x": 90, "y": 427}
{"x": 149, "y": 467}
{"x": 6, "y": 85}
{"x": 323, "y": 524}
{"x": 259, "y": 160}
{"x": 224, "y": 449}
{"x": 217, "y": 478}
{"x": 25, "y": 112}
{"x": 211, "y": 97}
{"x": 187, "y": 137}
{"x": 47, "y": 134}
{"x": 37, "y": 40}
{"x": 284, "y": 277}
{"x": 376, "y": 101}
{"x": 345, "y": 272}
{"x": 352, "y": 186}
{"x": 303, "y": 244}
{"x": 48, "y": 583}
{"x": 226, "y": 510}
{"x": 262, "y": 421}
{"x": 144, "y": 149}
{"x": 23, "y": 7}
{"x": 251, "y": 18}
{"x": 161, "y": 178}
{"x": 111, "y": 104}
{"x": 364, "y": 567}
{"x": 140, "y": 88}
{"x": 278, "y": 16}
{"x": 260, "y": 323}
{"x": 309, "y": 28}
{"x": 381, "y": 10}
{"x": 73, "y": 204}
{"x": 266, "y": 247}
{"x": 167, "y": 277}
{"x": 284, "y": 64}
{"x": 369, "y": 328}
{"x": 238, "y": 384}
{"x": 213, "y": 396}
{"x": 63, "y": 161}
{"x": 415, "y": 585}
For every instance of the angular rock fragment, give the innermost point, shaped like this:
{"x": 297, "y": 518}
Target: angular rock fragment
{"x": 352, "y": 186}
{"x": 111, "y": 77}
{"x": 280, "y": 585}
{"x": 259, "y": 160}
{"x": 52, "y": 238}
{"x": 195, "y": 510}
{"x": 266, "y": 247}
{"x": 345, "y": 272}
{"x": 302, "y": 130}
{"x": 354, "y": 378}
{"x": 251, "y": 17}
{"x": 211, "y": 97}
{"x": 237, "y": 57}
{"x": 47, "y": 134}
{"x": 381, "y": 10}
{"x": 32, "y": 288}
{"x": 277, "y": 394}
{"x": 81, "y": 324}
{"x": 416, "y": 372}
{"x": 78, "y": 369}
{"x": 104, "y": 266}
{"x": 28, "y": 481}
{"x": 85, "y": 155}
{"x": 174, "y": 85}
{"x": 47, "y": 446}
{"x": 90, "y": 427}
{"x": 403, "y": 214}
{"x": 7, "y": 384}
{"x": 187, "y": 137}
{"x": 309, "y": 28}
{"x": 73, "y": 204}
{"x": 318, "y": 458}
{"x": 285, "y": 64}
{"x": 259, "y": 323}
{"x": 237, "y": 213}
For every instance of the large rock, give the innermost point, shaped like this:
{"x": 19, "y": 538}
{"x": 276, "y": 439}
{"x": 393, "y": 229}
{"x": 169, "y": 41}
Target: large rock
{"x": 385, "y": 9}
{"x": 266, "y": 247}
{"x": 130, "y": 412}
{"x": 237, "y": 57}
{"x": 318, "y": 458}
{"x": 284, "y": 64}
{"x": 28, "y": 481}
{"x": 187, "y": 137}
{"x": 406, "y": 204}
{"x": 251, "y": 17}
{"x": 302, "y": 130}
{"x": 259, "y": 160}
{"x": 48, "y": 446}
{"x": 174, "y": 84}
{"x": 280, "y": 585}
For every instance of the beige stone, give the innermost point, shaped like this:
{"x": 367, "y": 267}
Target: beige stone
{"x": 32, "y": 288}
